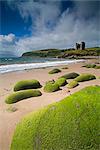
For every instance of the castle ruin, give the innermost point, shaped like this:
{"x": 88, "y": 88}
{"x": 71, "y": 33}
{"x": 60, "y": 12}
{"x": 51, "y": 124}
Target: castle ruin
{"x": 80, "y": 46}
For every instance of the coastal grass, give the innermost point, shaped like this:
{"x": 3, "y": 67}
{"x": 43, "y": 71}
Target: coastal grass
{"x": 85, "y": 77}
{"x": 53, "y": 71}
{"x": 51, "y": 87}
{"x": 71, "y": 124}
{"x": 72, "y": 84}
{"x": 27, "y": 84}
{"x": 71, "y": 75}
{"x": 20, "y": 95}
{"x": 61, "y": 82}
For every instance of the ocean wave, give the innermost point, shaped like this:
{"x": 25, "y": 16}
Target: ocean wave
{"x": 19, "y": 67}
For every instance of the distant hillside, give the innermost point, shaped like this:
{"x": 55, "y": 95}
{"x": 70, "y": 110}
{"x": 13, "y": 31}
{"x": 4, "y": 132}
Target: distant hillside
{"x": 64, "y": 53}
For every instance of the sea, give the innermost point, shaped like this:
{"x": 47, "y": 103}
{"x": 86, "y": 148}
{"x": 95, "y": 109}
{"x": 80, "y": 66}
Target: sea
{"x": 25, "y": 63}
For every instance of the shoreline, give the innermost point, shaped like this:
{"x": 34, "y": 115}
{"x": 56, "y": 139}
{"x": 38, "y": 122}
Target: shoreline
{"x": 10, "y": 119}
{"x": 28, "y": 66}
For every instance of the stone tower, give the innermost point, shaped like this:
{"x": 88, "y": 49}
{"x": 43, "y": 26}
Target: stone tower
{"x": 77, "y": 46}
{"x": 80, "y": 46}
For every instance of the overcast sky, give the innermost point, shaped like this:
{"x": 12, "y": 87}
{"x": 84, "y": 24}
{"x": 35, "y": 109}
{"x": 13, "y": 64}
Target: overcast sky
{"x": 27, "y": 25}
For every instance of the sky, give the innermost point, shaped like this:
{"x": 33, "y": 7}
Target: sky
{"x": 27, "y": 25}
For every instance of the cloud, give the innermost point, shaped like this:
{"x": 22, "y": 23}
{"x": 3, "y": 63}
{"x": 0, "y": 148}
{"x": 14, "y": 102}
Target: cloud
{"x": 86, "y": 8}
{"x": 7, "y": 38}
{"x": 53, "y": 28}
{"x": 43, "y": 13}
{"x": 8, "y": 45}
{"x": 71, "y": 26}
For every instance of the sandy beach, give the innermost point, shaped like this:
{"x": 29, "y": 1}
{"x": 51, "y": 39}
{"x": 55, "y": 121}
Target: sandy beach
{"x": 8, "y": 120}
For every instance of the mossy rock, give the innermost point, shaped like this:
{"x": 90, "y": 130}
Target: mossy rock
{"x": 54, "y": 71}
{"x": 71, "y": 124}
{"x": 72, "y": 84}
{"x": 61, "y": 82}
{"x": 51, "y": 87}
{"x": 97, "y": 67}
{"x": 71, "y": 75}
{"x": 65, "y": 67}
{"x": 27, "y": 84}
{"x": 90, "y": 65}
{"x": 85, "y": 77}
{"x": 20, "y": 95}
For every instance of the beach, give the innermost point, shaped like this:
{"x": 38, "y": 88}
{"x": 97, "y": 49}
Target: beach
{"x": 9, "y": 120}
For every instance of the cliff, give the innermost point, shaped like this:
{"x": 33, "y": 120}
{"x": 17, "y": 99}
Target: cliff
{"x": 64, "y": 53}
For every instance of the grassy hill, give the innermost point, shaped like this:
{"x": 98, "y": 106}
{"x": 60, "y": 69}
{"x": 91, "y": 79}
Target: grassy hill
{"x": 71, "y": 124}
{"x": 64, "y": 53}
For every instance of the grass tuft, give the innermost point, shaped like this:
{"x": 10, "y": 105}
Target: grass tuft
{"x": 27, "y": 84}
{"x": 20, "y": 95}
{"x": 71, "y": 124}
